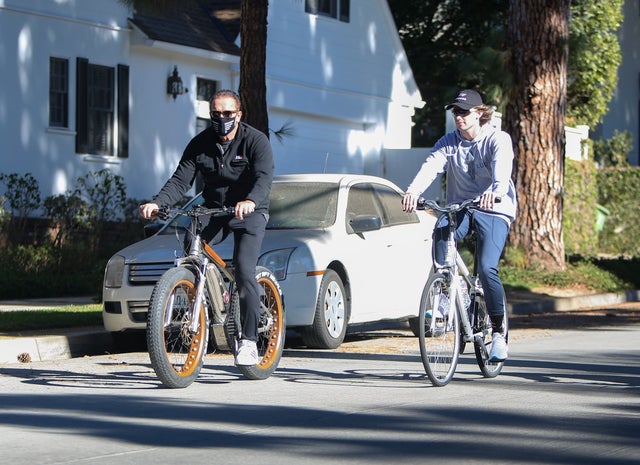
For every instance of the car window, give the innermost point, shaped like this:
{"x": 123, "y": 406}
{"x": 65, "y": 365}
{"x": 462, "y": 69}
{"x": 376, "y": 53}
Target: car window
{"x": 293, "y": 205}
{"x": 302, "y": 205}
{"x": 361, "y": 201}
{"x": 391, "y": 202}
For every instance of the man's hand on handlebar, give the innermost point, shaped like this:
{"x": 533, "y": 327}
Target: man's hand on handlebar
{"x": 245, "y": 207}
{"x": 409, "y": 202}
{"x": 148, "y": 210}
{"x": 487, "y": 200}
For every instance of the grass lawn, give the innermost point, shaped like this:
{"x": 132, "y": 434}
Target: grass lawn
{"x": 61, "y": 317}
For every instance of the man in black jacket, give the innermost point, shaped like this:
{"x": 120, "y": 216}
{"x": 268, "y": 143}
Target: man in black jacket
{"x": 236, "y": 164}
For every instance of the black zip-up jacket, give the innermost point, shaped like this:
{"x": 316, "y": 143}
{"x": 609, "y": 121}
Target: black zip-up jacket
{"x": 244, "y": 172}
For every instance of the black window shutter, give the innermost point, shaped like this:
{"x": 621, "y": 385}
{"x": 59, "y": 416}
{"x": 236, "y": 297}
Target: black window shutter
{"x": 123, "y": 111}
{"x": 82, "y": 67}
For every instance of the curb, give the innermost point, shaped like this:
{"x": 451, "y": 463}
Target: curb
{"x": 57, "y": 347}
{"x": 97, "y": 341}
{"x": 564, "y": 304}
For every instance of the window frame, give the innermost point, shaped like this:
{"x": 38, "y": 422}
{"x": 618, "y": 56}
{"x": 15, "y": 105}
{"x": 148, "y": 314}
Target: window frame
{"x": 58, "y": 92}
{"x": 102, "y": 109}
{"x": 336, "y": 9}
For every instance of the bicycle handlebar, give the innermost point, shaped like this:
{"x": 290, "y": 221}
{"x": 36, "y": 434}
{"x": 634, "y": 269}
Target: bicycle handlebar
{"x": 424, "y": 204}
{"x": 194, "y": 212}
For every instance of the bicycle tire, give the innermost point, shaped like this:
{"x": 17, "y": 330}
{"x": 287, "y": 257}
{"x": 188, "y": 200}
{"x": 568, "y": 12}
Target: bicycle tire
{"x": 482, "y": 321}
{"x": 439, "y": 334}
{"x": 271, "y": 328}
{"x": 176, "y": 354}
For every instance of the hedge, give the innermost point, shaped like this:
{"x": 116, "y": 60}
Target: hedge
{"x": 579, "y": 213}
{"x": 619, "y": 192}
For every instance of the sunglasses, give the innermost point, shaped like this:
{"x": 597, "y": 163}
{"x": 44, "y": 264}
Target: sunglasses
{"x": 460, "y": 112}
{"x": 224, "y": 114}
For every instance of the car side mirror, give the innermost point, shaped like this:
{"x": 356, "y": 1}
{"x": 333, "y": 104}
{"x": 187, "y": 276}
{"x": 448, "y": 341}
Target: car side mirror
{"x": 363, "y": 223}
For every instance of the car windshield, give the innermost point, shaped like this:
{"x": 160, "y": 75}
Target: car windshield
{"x": 293, "y": 205}
{"x": 302, "y": 205}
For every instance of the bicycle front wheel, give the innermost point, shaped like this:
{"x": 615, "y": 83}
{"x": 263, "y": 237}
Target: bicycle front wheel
{"x": 176, "y": 353}
{"x": 482, "y": 324}
{"x": 439, "y": 331}
{"x": 271, "y": 327}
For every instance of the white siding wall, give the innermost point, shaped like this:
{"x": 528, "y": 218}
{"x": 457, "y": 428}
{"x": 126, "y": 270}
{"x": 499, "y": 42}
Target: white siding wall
{"x": 160, "y": 127}
{"x": 31, "y": 32}
{"x": 345, "y": 90}
{"x": 342, "y": 87}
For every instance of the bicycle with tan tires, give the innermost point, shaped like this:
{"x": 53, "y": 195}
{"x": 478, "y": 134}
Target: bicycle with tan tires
{"x": 195, "y": 306}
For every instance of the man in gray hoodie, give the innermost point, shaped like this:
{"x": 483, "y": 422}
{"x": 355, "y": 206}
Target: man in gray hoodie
{"x": 477, "y": 159}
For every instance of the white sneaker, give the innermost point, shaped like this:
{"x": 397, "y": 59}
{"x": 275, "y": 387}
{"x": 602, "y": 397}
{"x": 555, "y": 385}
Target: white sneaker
{"x": 498, "y": 348}
{"x": 247, "y": 353}
{"x": 442, "y": 310}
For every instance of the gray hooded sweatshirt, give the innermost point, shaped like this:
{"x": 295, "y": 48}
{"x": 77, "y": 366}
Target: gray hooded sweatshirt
{"x": 473, "y": 167}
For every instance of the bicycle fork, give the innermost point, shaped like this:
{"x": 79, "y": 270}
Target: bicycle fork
{"x": 194, "y": 308}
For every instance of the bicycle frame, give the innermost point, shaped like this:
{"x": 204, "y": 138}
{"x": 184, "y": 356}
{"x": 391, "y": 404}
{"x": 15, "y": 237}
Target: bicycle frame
{"x": 195, "y": 303}
{"x": 458, "y": 268}
{"x": 443, "y": 331}
{"x": 454, "y": 269}
{"x": 211, "y": 272}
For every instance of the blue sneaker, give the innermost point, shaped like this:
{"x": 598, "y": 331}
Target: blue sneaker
{"x": 498, "y": 348}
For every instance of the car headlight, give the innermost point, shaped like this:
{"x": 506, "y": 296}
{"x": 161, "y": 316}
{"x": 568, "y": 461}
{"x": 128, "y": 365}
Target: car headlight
{"x": 277, "y": 262}
{"x": 114, "y": 273}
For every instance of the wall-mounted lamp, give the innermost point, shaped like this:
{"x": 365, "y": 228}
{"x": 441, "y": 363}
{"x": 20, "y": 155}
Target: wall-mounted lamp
{"x": 174, "y": 84}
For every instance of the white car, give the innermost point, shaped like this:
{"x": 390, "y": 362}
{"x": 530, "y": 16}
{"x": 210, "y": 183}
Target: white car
{"x": 340, "y": 245}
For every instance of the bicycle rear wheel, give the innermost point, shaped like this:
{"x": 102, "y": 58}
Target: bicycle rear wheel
{"x": 439, "y": 334}
{"x": 482, "y": 323}
{"x": 271, "y": 327}
{"x": 175, "y": 352}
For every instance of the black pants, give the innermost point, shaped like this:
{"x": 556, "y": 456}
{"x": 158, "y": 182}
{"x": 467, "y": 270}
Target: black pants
{"x": 247, "y": 240}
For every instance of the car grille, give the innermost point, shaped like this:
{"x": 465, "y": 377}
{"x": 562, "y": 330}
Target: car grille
{"x": 138, "y": 310}
{"x": 144, "y": 274}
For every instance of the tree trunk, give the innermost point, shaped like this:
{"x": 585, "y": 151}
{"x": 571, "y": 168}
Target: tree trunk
{"x": 538, "y": 33}
{"x": 253, "y": 58}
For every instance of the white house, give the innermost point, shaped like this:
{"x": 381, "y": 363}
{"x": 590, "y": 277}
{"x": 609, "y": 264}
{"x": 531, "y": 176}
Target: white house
{"x": 84, "y": 86}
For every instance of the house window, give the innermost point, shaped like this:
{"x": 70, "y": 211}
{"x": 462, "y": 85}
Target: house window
{"x": 100, "y": 103}
{"x": 206, "y": 89}
{"x": 338, "y": 9}
{"x": 58, "y": 92}
{"x": 102, "y": 109}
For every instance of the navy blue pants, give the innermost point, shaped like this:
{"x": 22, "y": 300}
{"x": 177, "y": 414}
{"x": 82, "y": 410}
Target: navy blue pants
{"x": 491, "y": 232}
{"x": 248, "y": 234}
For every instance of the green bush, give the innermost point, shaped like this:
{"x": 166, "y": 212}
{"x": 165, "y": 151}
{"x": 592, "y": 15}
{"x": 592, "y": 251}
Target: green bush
{"x": 614, "y": 151}
{"x": 618, "y": 192}
{"x": 579, "y": 208}
{"x": 48, "y": 271}
{"x": 22, "y": 194}
{"x": 65, "y": 253}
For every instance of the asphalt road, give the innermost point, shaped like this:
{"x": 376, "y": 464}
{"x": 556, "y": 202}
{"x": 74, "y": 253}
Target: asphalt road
{"x": 566, "y": 396}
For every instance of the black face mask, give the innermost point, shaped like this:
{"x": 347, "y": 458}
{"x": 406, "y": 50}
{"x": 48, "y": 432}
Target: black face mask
{"x": 223, "y": 126}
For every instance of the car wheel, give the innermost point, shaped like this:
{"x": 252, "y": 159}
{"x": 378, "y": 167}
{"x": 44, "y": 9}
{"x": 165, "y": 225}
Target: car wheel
{"x": 330, "y": 320}
{"x": 414, "y": 325}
